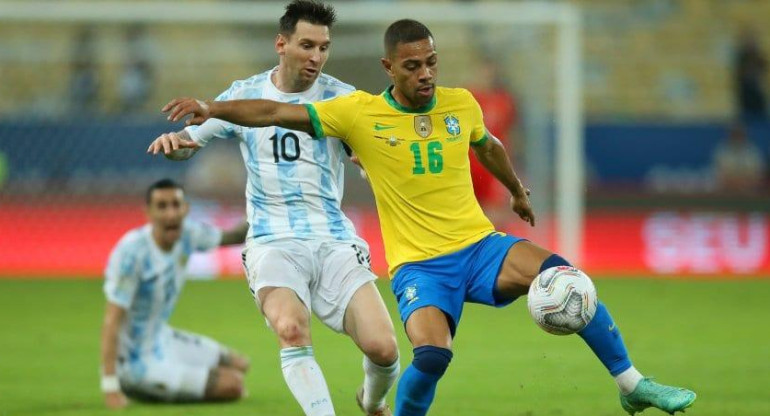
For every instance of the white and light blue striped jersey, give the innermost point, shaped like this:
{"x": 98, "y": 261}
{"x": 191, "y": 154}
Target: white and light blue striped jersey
{"x": 146, "y": 281}
{"x": 294, "y": 183}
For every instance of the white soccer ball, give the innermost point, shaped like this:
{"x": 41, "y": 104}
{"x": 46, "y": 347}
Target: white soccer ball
{"x": 562, "y": 300}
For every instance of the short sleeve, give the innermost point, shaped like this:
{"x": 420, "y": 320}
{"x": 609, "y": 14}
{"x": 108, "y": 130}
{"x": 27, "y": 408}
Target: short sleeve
{"x": 203, "y": 237}
{"x": 478, "y": 131}
{"x": 122, "y": 276}
{"x": 215, "y": 128}
{"x": 335, "y": 117}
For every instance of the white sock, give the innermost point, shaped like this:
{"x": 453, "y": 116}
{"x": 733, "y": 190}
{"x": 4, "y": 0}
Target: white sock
{"x": 628, "y": 380}
{"x": 377, "y": 383}
{"x": 306, "y": 381}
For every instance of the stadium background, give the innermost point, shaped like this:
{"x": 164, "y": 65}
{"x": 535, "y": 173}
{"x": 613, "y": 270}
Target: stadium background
{"x": 81, "y": 100}
{"x": 80, "y": 104}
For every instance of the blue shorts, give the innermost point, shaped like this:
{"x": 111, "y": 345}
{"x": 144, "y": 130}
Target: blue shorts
{"x": 447, "y": 282}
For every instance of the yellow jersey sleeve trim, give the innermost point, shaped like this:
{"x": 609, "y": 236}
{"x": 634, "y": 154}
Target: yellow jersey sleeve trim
{"x": 318, "y": 130}
{"x": 481, "y": 141}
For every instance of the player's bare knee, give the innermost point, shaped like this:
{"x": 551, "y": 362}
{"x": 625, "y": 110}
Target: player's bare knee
{"x": 429, "y": 326}
{"x": 293, "y": 332}
{"x": 383, "y": 350}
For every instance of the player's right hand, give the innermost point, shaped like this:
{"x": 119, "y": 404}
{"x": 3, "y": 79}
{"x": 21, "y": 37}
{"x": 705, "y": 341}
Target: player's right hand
{"x": 115, "y": 400}
{"x": 169, "y": 142}
{"x": 179, "y": 108}
{"x": 523, "y": 207}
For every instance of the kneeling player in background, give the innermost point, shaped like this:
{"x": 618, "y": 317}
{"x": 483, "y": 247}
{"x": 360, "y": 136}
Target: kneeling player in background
{"x": 142, "y": 356}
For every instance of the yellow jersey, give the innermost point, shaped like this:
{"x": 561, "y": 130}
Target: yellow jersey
{"x": 418, "y": 167}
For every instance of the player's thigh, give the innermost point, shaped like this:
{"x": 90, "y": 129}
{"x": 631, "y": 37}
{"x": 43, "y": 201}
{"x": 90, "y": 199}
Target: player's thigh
{"x": 520, "y": 267}
{"x": 224, "y": 383}
{"x": 281, "y": 264}
{"x": 429, "y": 326}
{"x": 369, "y": 325}
{"x": 194, "y": 349}
{"x": 344, "y": 269}
{"x": 280, "y": 274}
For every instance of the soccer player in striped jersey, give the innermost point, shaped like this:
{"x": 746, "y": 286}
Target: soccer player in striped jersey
{"x": 413, "y": 141}
{"x": 303, "y": 254}
{"x": 142, "y": 356}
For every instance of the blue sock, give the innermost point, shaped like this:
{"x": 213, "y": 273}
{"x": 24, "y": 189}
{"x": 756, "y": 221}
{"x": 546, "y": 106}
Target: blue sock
{"x": 553, "y": 261}
{"x": 417, "y": 386}
{"x": 601, "y": 334}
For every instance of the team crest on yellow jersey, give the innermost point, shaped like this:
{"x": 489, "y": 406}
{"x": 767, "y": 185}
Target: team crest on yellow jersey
{"x": 452, "y": 125}
{"x": 423, "y": 126}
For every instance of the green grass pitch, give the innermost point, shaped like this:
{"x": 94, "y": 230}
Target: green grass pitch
{"x": 708, "y": 336}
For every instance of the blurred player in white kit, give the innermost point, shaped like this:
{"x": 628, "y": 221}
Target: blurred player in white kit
{"x": 142, "y": 356}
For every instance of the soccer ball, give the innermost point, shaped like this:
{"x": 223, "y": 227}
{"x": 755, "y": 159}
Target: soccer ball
{"x": 562, "y": 300}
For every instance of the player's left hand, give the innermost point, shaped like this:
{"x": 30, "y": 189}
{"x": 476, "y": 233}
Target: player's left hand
{"x": 170, "y": 142}
{"x": 179, "y": 108}
{"x": 522, "y": 206}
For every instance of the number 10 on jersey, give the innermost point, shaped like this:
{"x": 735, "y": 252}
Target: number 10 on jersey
{"x": 279, "y": 147}
{"x": 435, "y": 160}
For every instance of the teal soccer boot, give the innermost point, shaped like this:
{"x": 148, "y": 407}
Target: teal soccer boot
{"x": 651, "y": 394}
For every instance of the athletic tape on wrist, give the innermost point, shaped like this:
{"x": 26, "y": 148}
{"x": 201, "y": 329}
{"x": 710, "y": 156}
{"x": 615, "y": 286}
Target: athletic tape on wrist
{"x": 110, "y": 384}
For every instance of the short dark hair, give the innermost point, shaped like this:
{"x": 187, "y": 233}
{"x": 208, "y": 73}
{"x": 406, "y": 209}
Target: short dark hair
{"x": 161, "y": 184}
{"x": 405, "y": 31}
{"x": 311, "y": 11}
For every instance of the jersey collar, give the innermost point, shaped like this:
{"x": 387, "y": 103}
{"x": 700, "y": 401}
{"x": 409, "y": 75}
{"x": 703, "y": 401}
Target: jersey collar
{"x": 292, "y": 95}
{"x": 393, "y": 103}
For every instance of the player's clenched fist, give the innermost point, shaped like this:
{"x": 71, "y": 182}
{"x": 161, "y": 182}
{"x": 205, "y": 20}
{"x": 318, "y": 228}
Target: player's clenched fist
{"x": 179, "y": 108}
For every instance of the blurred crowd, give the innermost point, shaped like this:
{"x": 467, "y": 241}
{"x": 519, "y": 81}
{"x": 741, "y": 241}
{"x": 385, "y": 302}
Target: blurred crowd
{"x": 630, "y": 78}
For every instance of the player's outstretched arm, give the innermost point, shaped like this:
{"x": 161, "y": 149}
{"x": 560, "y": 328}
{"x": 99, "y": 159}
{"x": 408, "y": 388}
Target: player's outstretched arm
{"x": 495, "y": 159}
{"x": 175, "y": 146}
{"x": 248, "y": 113}
{"x": 113, "y": 317}
{"x": 235, "y": 235}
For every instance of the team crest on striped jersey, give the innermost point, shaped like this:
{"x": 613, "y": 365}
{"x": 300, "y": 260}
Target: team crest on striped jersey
{"x": 452, "y": 125}
{"x": 423, "y": 126}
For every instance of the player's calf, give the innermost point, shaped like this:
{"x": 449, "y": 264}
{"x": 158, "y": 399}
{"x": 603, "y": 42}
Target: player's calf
{"x": 417, "y": 387}
{"x": 224, "y": 384}
{"x": 368, "y": 324}
{"x": 603, "y": 337}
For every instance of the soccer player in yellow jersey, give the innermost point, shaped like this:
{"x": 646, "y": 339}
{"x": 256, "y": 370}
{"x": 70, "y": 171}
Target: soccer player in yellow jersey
{"x": 442, "y": 251}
